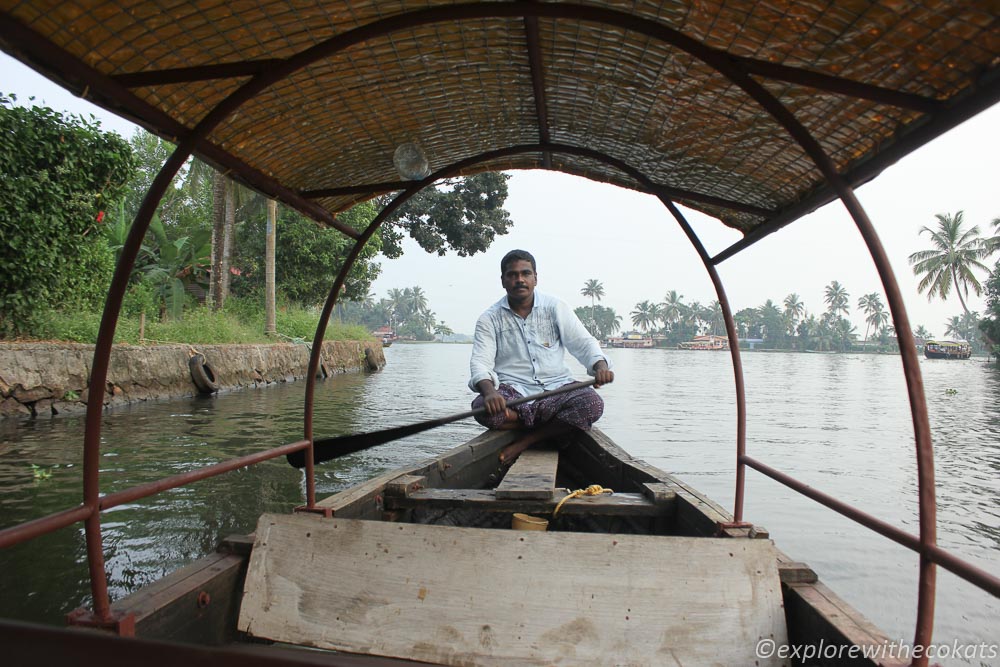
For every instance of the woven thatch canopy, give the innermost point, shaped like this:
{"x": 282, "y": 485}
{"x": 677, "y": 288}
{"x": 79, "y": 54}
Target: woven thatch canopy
{"x": 700, "y": 99}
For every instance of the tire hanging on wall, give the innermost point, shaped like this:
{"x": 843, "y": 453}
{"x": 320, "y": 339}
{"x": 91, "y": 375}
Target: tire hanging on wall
{"x": 322, "y": 372}
{"x": 202, "y": 375}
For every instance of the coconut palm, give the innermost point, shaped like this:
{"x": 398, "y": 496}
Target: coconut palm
{"x": 645, "y": 315}
{"x": 922, "y": 332}
{"x": 794, "y": 310}
{"x": 417, "y": 300}
{"x": 953, "y": 259}
{"x": 953, "y": 327}
{"x": 672, "y": 308}
{"x": 595, "y": 290}
{"x": 993, "y": 242}
{"x": 836, "y": 299}
{"x": 869, "y": 305}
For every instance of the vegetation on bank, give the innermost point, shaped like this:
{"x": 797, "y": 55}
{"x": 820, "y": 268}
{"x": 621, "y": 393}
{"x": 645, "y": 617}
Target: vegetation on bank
{"x": 203, "y": 272}
{"x": 949, "y": 266}
{"x": 240, "y": 322}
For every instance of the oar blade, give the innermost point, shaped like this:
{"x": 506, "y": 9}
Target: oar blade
{"x": 325, "y": 449}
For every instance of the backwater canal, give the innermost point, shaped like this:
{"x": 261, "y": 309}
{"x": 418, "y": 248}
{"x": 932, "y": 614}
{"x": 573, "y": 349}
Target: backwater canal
{"x": 840, "y": 423}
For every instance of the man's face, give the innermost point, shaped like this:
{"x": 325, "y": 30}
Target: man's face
{"x": 519, "y": 279}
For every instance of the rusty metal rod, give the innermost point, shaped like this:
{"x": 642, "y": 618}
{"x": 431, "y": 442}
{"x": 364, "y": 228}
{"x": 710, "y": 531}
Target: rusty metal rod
{"x": 934, "y": 553}
{"x": 184, "y": 478}
{"x": 46, "y": 524}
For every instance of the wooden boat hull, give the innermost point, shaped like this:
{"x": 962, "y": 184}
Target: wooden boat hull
{"x": 457, "y": 488}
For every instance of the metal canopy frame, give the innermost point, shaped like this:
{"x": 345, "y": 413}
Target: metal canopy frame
{"x": 116, "y": 92}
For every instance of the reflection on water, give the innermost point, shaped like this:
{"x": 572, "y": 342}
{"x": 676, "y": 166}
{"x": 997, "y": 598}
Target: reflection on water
{"x": 838, "y": 422}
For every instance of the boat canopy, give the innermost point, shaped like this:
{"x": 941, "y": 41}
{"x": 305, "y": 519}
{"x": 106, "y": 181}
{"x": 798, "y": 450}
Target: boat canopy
{"x": 755, "y": 113}
{"x": 706, "y": 103}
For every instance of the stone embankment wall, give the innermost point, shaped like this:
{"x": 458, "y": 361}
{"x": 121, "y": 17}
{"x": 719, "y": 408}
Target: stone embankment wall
{"x": 45, "y": 379}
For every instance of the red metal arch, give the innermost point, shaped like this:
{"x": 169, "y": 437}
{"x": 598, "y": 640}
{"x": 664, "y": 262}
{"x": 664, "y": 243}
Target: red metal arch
{"x": 718, "y": 60}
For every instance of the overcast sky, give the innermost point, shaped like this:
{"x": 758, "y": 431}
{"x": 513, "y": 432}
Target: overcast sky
{"x": 579, "y": 230}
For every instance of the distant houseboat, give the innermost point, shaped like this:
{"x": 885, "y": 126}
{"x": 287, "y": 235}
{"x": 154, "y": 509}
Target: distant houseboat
{"x": 631, "y": 340}
{"x": 706, "y": 343}
{"x": 947, "y": 349}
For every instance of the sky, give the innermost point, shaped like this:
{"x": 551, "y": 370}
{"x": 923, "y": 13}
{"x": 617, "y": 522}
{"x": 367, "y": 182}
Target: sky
{"x": 580, "y": 230}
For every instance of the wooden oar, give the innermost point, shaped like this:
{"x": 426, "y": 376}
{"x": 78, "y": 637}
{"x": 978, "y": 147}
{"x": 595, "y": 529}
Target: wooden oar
{"x": 325, "y": 449}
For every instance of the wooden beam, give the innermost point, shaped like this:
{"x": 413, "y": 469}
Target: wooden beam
{"x": 485, "y": 500}
{"x": 533, "y": 475}
{"x": 197, "y": 73}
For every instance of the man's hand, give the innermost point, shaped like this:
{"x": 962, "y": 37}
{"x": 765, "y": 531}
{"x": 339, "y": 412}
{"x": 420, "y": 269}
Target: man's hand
{"x": 493, "y": 401}
{"x": 602, "y": 375}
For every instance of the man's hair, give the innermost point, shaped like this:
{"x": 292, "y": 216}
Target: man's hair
{"x": 514, "y": 256}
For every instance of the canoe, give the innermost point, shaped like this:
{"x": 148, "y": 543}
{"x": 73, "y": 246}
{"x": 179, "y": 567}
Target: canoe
{"x": 750, "y": 117}
{"x": 412, "y": 565}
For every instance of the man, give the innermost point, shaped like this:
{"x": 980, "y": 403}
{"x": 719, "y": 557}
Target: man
{"x": 519, "y": 350}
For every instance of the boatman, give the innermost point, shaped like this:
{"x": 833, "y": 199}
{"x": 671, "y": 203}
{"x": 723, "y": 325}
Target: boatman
{"x": 519, "y": 351}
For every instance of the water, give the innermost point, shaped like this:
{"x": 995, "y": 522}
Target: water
{"x": 840, "y": 423}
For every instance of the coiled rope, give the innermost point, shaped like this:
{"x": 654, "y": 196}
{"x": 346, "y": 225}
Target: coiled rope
{"x": 592, "y": 490}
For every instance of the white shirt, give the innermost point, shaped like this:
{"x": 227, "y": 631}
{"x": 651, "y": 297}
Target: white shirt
{"x": 529, "y": 354}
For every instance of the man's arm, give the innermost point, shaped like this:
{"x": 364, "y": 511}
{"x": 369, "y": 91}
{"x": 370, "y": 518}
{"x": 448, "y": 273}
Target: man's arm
{"x": 583, "y": 346}
{"x": 602, "y": 374}
{"x": 493, "y": 401}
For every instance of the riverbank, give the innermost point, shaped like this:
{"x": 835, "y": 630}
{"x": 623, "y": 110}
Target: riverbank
{"x": 50, "y": 379}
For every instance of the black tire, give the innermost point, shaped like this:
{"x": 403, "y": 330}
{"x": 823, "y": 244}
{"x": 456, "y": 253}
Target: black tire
{"x": 322, "y": 372}
{"x": 202, "y": 375}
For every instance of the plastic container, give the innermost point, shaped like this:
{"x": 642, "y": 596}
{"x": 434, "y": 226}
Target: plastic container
{"x": 528, "y": 522}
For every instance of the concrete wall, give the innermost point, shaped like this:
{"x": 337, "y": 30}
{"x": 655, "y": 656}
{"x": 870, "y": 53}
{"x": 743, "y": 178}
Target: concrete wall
{"x": 45, "y": 379}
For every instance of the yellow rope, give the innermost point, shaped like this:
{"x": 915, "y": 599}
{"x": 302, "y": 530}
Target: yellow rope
{"x": 592, "y": 490}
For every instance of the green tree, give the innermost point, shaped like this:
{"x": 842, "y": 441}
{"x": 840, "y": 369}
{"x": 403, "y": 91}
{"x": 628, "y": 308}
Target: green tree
{"x": 605, "y": 323}
{"x": 952, "y": 260}
{"x": 922, "y": 332}
{"x": 837, "y": 299}
{"x": 794, "y": 310}
{"x": 595, "y": 290}
{"x": 179, "y": 264}
{"x": 871, "y": 305}
{"x": 773, "y": 324}
{"x": 990, "y": 324}
{"x": 464, "y": 215}
{"x": 59, "y": 175}
{"x": 672, "y": 309}
{"x": 308, "y": 257}
{"x": 645, "y": 315}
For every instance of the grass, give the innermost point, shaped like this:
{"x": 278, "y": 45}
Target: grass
{"x": 240, "y": 323}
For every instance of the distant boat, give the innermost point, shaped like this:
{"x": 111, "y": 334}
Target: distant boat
{"x": 947, "y": 349}
{"x": 386, "y": 341}
{"x": 631, "y": 340}
{"x": 706, "y": 343}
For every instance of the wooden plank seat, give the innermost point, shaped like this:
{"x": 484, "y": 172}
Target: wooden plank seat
{"x": 533, "y": 475}
{"x": 467, "y": 596}
{"x": 487, "y": 500}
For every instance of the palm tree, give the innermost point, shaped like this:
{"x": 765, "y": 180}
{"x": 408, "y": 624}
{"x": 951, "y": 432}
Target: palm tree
{"x": 836, "y": 299}
{"x": 714, "y": 313}
{"x": 953, "y": 327}
{"x": 993, "y": 243}
{"x": 952, "y": 260}
{"x": 922, "y": 332}
{"x": 672, "y": 308}
{"x": 417, "y": 300}
{"x": 794, "y": 310}
{"x": 595, "y": 290}
{"x": 870, "y": 304}
{"x": 645, "y": 315}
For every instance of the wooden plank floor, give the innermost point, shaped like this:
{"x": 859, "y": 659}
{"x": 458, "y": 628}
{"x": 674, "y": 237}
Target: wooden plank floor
{"x": 467, "y": 596}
